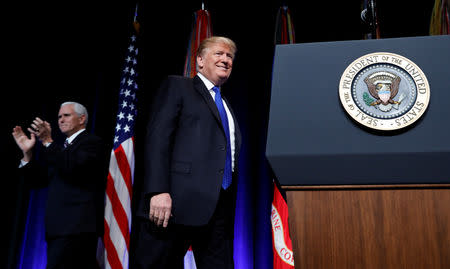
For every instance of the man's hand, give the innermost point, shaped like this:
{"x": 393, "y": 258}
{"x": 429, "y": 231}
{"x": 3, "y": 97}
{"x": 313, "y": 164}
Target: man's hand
{"x": 25, "y": 144}
{"x": 160, "y": 209}
{"x": 42, "y": 130}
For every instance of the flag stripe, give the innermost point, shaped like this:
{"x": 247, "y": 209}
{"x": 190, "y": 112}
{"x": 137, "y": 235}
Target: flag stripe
{"x": 120, "y": 194}
{"x": 124, "y": 165}
{"x": 117, "y": 238}
{"x": 111, "y": 257}
{"x": 122, "y": 182}
{"x": 118, "y": 211}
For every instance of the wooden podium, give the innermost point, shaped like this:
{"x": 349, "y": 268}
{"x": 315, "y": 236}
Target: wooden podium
{"x": 359, "y": 198}
{"x": 370, "y": 227}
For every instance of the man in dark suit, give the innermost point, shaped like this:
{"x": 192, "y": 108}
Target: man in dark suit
{"x": 76, "y": 179}
{"x": 192, "y": 144}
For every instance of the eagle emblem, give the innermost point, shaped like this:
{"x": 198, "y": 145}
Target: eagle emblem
{"x": 383, "y": 86}
{"x": 378, "y": 92}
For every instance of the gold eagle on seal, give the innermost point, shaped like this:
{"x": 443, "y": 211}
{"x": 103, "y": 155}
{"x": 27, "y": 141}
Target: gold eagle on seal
{"x": 383, "y": 86}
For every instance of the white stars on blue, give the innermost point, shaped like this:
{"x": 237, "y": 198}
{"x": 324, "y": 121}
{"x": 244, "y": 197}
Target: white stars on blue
{"x": 126, "y": 113}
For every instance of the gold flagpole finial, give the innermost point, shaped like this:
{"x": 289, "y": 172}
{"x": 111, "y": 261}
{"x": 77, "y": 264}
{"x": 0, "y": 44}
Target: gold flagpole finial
{"x": 136, "y": 24}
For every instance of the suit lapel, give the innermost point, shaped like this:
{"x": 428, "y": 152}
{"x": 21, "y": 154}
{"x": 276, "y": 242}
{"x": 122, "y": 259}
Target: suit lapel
{"x": 201, "y": 88}
{"x": 77, "y": 139}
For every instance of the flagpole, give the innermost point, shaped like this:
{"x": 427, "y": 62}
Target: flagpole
{"x": 370, "y": 19}
{"x": 375, "y": 28}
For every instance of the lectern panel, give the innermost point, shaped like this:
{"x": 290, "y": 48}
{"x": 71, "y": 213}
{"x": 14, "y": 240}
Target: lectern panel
{"x": 312, "y": 141}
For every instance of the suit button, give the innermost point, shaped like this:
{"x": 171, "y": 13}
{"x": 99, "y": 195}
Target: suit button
{"x": 222, "y": 148}
{"x": 221, "y": 171}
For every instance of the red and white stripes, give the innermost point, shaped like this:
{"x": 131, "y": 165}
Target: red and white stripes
{"x": 117, "y": 220}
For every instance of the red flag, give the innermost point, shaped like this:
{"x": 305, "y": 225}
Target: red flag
{"x": 201, "y": 29}
{"x": 283, "y": 257}
{"x": 117, "y": 221}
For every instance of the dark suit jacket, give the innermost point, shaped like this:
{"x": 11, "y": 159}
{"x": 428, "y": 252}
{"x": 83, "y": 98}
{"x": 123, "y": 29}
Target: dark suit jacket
{"x": 76, "y": 186}
{"x": 185, "y": 151}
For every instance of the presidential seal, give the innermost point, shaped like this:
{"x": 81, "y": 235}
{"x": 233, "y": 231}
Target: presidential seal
{"x": 384, "y": 91}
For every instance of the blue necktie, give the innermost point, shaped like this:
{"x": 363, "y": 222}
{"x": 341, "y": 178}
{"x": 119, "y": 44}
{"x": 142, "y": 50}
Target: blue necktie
{"x": 66, "y": 143}
{"x": 223, "y": 116}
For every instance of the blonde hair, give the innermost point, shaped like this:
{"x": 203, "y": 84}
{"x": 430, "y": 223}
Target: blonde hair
{"x": 208, "y": 42}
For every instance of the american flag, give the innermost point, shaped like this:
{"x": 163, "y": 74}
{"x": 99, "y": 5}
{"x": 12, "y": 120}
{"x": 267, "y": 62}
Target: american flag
{"x": 119, "y": 184}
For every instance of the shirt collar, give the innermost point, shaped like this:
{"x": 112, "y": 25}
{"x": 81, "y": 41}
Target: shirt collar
{"x": 72, "y": 137}
{"x": 209, "y": 85}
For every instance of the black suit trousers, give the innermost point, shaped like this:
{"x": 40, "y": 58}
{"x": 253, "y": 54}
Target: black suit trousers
{"x": 165, "y": 248}
{"x": 72, "y": 251}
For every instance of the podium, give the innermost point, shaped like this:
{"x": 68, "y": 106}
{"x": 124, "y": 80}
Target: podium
{"x": 359, "y": 197}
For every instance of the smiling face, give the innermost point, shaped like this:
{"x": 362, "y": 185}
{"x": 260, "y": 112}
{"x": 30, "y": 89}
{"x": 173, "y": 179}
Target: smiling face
{"x": 215, "y": 62}
{"x": 68, "y": 120}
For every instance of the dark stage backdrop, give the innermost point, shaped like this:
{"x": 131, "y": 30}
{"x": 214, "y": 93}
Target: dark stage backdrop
{"x": 73, "y": 50}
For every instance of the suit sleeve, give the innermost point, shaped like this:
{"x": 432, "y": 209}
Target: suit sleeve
{"x": 160, "y": 132}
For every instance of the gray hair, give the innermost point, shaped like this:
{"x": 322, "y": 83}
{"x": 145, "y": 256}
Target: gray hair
{"x": 79, "y": 109}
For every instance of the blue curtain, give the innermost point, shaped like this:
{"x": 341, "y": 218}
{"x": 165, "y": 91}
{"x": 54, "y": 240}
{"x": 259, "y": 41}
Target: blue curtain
{"x": 33, "y": 248}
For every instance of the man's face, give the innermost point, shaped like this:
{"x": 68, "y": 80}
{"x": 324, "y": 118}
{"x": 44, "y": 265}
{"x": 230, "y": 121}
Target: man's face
{"x": 68, "y": 120}
{"x": 216, "y": 63}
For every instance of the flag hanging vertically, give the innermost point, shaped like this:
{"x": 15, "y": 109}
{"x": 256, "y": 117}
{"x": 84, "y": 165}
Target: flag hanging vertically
{"x": 201, "y": 29}
{"x": 117, "y": 221}
{"x": 284, "y": 27}
{"x": 282, "y": 245}
{"x": 440, "y": 18}
{"x": 283, "y": 257}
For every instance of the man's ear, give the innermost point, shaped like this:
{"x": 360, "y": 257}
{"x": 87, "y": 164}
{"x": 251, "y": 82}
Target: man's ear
{"x": 82, "y": 119}
{"x": 200, "y": 61}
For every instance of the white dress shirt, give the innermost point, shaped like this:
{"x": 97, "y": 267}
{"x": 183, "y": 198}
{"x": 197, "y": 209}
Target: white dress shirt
{"x": 209, "y": 85}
